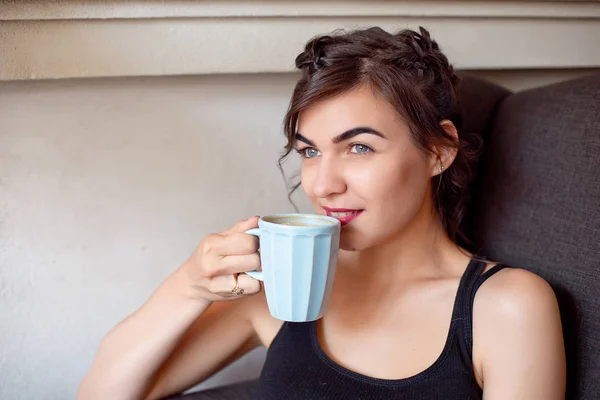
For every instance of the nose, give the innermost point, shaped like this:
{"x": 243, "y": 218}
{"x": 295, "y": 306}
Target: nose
{"x": 329, "y": 178}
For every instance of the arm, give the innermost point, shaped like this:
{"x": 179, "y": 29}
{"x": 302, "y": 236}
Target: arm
{"x": 222, "y": 335}
{"x": 518, "y": 342}
{"x": 145, "y": 355}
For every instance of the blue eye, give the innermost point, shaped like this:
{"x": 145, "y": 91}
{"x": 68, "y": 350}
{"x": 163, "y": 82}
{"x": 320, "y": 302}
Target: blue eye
{"x": 309, "y": 152}
{"x": 359, "y": 149}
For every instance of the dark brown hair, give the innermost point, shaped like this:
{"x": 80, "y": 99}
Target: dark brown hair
{"x": 409, "y": 71}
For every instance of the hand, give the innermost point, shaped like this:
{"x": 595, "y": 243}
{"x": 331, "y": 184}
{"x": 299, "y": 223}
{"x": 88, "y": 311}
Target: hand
{"x": 217, "y": 266}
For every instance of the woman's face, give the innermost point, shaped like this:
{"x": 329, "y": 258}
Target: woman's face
{"x": 361, "y": 166}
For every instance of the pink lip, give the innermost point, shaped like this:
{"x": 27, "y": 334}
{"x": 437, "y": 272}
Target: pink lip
{"x": 343, "y": 220}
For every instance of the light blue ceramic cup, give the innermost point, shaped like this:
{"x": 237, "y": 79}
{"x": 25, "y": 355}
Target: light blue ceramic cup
{"x": 298, "y": 255}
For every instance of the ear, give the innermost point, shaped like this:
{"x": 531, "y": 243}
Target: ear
{"x": 444, "y": 155}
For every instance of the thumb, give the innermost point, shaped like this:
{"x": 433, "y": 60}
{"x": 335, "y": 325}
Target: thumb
{"x": 243, "y": 225}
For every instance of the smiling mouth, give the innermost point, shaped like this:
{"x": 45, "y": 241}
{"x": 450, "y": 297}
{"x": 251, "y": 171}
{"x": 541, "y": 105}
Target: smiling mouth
{"x": 345, "y": 216}
{"x": 338, "y": 214}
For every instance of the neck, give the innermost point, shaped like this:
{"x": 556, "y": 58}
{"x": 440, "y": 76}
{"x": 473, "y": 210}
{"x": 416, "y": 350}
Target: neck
{"x": 422, "y": 249}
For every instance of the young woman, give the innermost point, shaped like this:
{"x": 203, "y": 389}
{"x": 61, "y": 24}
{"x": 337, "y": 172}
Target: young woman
{"x": 412, "y": 315}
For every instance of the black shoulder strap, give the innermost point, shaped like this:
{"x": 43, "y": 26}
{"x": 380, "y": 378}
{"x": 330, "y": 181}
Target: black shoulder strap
{"x": 468, "y": 333}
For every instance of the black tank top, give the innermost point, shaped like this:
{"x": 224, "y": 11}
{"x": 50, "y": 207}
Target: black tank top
{"x": 297, "y": 367}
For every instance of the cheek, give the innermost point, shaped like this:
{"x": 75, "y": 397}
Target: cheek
{"x": 372, "y": 179}
{"x": 362, "y": 179}
{"x": 410, "y": 180}
{"x": 307, "y": 177}
{"x": 392, "y": 184}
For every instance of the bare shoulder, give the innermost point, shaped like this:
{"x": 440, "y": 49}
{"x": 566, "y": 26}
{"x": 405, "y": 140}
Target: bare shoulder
{"x": 515, "y": 293}
{"x": 517, "y": 337}
{"x": 257, "y": 311}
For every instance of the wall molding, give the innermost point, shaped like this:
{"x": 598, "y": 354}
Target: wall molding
{"x": 128, "y": 9}
{"x": 73, "y": 39}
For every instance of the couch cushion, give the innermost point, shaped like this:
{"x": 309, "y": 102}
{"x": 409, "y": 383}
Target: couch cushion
{"x": 539, "y": 207}
{"x": 479, "y": 100}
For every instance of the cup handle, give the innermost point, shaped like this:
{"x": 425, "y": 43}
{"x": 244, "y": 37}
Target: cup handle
{"x": 255, "y": 274}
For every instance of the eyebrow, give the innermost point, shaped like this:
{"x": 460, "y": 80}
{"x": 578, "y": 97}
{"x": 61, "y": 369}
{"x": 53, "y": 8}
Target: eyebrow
{"x": 347, "y": 135}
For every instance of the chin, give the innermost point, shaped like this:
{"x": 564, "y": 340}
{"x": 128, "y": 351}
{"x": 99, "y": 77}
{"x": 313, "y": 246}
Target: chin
{"x": 366, "y": 236}
{"x": 353, "y": 241}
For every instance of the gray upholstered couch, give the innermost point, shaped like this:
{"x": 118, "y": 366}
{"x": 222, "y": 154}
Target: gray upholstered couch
{"x": 536, "y": 204}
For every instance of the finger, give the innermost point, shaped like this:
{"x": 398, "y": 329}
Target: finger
{"x": 223, "y": 285}
{"x": 250, "y": 285}
{"x": 239, "y": 263}
{"x": 236, "y": 244}
{"x": 243, "y": 226}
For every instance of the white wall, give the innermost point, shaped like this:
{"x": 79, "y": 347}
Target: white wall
{"x": 106, "y": 186}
